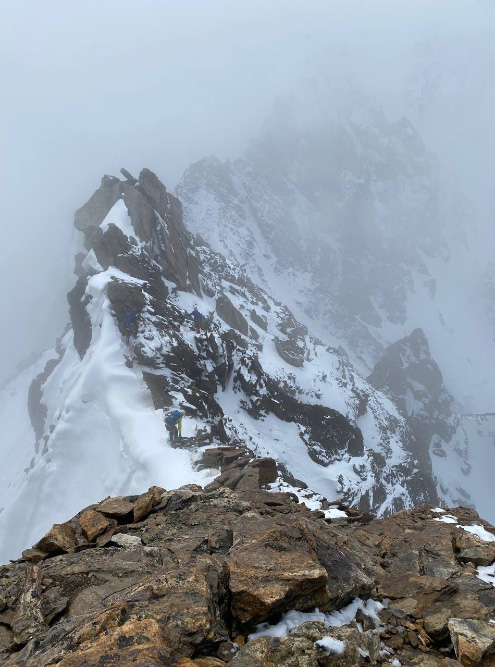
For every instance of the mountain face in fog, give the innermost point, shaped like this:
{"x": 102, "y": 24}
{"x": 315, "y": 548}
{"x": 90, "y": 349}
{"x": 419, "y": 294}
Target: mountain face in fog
{"x": 341, "y": 212}
{"x": 257, "y": 378}
{"x": 345, "y": 205}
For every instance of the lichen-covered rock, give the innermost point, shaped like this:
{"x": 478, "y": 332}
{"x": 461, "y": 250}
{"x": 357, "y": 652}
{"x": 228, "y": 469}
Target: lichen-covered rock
{"x": 306, "y": 647}
{"x": 473, "y": 641}
{"x": 472, "y": 549}
{"x": 139, "y": 643}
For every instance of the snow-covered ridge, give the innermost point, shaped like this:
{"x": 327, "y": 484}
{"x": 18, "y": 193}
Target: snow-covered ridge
{"x": 257, "y": 377}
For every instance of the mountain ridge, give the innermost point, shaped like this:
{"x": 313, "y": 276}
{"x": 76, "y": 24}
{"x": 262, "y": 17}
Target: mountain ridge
{"x": 257, "y": 377}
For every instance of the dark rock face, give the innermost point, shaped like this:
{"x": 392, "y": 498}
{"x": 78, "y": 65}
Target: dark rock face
{"x": 290, "y": 352}
{"x": 109, "y": 246}
{"x": 90, "y": 216}
{"x": 231, "y": 316}
{"x": 181, "y": 577}
{"x": 81, "y": 322}
{"x": 156, "y": 218}
{"x": 36, "y": 408}
{"x": 159, "y": 387}
{"x": 328, "y": 432}
{"x": 260, "y": 320}
{"x": 412, "y": 378}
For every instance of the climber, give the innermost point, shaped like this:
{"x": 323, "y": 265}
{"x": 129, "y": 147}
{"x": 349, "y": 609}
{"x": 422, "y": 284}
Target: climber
{"x": 206, "y": 323}
{"x": 173, "y": 422}
{"x": 198, "y": 318}
{"x": 128, "y": 322}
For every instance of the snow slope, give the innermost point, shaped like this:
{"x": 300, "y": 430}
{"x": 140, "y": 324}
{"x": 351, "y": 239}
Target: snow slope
{"x": 107, "y": 439}
{"x": 18, "y": 439}
{"x": 342, "y": 214}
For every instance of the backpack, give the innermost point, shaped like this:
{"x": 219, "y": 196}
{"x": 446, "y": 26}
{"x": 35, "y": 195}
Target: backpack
{"x": 129, "y": 319}
{"x": 173, "y": 417}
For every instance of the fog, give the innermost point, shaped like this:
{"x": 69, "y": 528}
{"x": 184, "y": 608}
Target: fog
{"x": 90, "y": 87}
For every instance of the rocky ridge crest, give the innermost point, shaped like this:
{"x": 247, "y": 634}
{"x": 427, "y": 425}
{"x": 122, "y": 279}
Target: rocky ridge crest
{"x": 183, "y": 577}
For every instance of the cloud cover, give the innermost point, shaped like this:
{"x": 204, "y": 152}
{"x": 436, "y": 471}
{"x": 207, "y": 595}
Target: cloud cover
{"x": 90, "y": 87}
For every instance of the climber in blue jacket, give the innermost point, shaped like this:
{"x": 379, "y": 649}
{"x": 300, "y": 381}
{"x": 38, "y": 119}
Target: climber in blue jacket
{"x": 173, "y": 422}
{"x": 129, "y": 320}
{"x": 198, "y": 318}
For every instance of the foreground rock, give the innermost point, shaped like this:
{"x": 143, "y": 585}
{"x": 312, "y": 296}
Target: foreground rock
{"x": 183, "y": 577}
{"x": 473, "y": 641}
{"x": 307, "y": 642}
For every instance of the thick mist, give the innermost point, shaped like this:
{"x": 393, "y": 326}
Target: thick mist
{"x": 90, "y": 87}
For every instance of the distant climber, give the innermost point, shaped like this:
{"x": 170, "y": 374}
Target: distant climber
{"x": 198, "y": 318}
{"x": 129, "y": 320}
{"x": 173, "y": 422}
{"x": 206, "y": 323}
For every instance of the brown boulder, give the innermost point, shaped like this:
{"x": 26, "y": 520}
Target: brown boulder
{"x": 471, "y": 549}
{"x": 116, "y": 508}
{"x": 61, "y": 538}
{"x": 215, "y": 457}
{"x": 344, "y": 564}
{"x": 273, "y": 568}
{"x": 103, "y": 539}
{"x": 34, "y": 555}
{"x": 473, "y": 641}
{"x": 136, "y": 643}
{"x": 93, "y": 524}
{"x": 305, "y": 647}
{"x": 267, "y": 469}
{"x": 189, "y": 604}
{"x": 143, "y": 506}
{"x": 226, "y": 651}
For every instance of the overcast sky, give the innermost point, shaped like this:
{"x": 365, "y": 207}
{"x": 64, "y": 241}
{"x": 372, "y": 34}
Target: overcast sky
{"x": 88, "y": 87}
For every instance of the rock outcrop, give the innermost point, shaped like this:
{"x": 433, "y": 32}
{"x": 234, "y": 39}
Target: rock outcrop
{"x": 409, "y": 374}
{"x": 183, "y": 577}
